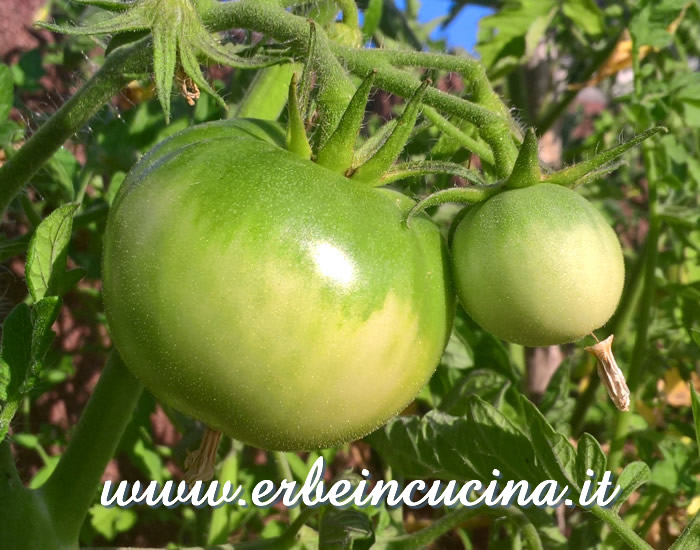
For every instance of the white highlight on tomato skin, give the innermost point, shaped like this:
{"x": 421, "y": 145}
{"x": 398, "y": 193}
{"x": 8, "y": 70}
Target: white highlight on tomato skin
{"x": 333, "y": 263}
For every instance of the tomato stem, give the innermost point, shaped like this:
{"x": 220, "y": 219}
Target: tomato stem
{"x": 466, "y": 195}
{"x": 77, "y": 476}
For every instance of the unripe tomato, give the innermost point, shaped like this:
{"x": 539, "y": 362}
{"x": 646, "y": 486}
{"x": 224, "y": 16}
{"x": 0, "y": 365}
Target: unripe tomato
{"x": 537, "y": 266}
{"x": 269, "y": 297}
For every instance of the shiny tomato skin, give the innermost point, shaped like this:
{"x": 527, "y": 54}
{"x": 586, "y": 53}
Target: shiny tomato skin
{"x": 269, "y": 297}
{"x": 537, "y": 266}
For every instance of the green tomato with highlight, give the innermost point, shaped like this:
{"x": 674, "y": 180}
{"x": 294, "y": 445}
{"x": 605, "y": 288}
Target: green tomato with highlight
{"x": 273, "y": 299}
{"x": 537, "y": 266}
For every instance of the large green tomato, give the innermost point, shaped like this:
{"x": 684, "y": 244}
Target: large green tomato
{"x": 537, "y": 266}
{"x": 269, "y": 297}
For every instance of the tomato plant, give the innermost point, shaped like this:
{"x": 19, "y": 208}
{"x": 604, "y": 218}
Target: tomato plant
{"x": 258, "y": 233}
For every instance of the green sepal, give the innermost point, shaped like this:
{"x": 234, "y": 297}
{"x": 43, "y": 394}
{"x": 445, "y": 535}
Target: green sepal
{"x": 526, "y": 171}
{"x": 134, "y": 19}
{"x": 425, "y": 167}
{"x": 336, "y": 154}
{"x": 465, "y": 195}
{"x": 390, "y": 150}
{"x": 577, "y": 174}
{"x": 297, "y": 141}
{"x": 164, "y": 61}
{"x": 370, "y": 147}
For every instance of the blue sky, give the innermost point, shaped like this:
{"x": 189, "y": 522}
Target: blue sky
{"x": 462, "y": 31}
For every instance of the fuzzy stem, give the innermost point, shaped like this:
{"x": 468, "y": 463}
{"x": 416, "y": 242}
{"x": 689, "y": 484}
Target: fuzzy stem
{"x": 623, "y": 530}
{"x": 335, "y": 88}
{"x": 469, "y": 68}
{"x": 469, "y": 143}
{"x": 494, "y": 128}
{"x": 74, "y": 113}
{"x": 70, "y": 490}
{"x": 423, "y": 537}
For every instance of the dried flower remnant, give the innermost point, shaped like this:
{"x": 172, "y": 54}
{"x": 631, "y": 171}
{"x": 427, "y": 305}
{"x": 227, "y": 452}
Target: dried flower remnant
{"x": 200, "y": 464}
{"x": 610, "y": 373}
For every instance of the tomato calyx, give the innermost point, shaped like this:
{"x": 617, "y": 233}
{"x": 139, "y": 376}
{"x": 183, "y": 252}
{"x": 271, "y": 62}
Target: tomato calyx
{"x": 179, "y": 39}
{"x": 527, "y": 172}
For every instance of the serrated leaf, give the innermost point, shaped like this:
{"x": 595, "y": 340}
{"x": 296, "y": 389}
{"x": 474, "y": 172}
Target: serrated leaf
{"x": 632, "y": 477}
{"x": 16, "y": 348}
{"x": 48, "y": 250}
{"x": 345, "y": 530}
{"x": 487, "y": 384}
{"x": 6, "y": 91}
{"x": 44, "y": 314}
{"x": 555, "y": 452}
{"x": 589, "y": 456}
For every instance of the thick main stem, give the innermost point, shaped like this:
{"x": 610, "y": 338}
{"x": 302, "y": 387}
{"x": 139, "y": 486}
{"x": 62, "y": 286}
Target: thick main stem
{"x": 72, "y": 486}
{"x": 72, "y": 115}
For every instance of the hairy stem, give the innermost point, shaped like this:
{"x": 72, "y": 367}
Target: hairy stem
{"x": 423, "y": 537}
{"x": 72, "y": 486}
{"x": 623, "y": 530}
{"x": 494, "y": 128}
{"x": 469, "y": 143}
{"x": 74, "y": 114}
{"x": 335, "y": 88}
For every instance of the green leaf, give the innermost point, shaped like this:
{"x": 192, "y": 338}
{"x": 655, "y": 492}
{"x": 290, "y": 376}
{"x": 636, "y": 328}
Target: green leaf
{"x": 50, "y": 463}
{"x": 555, "y": 452}
{"x": 6, "y": 91}
{"x": 48, "y": 250}
{"x": 632, "y": 477}
{"x": 586, "y": 14}
{"x": 16, "y": 350}
{"x": 695, "y": 400}
{"x": 345, "y": 530}
{"x": 44, "y": 314}
{"x": 373, "y": 15}
{"x": 109, "y": 522}
{"x": 503, "y": 36}
{"x": 589, "y": 456}
{"x": 487, "y": 384}
{"x": 649, "y": 26}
